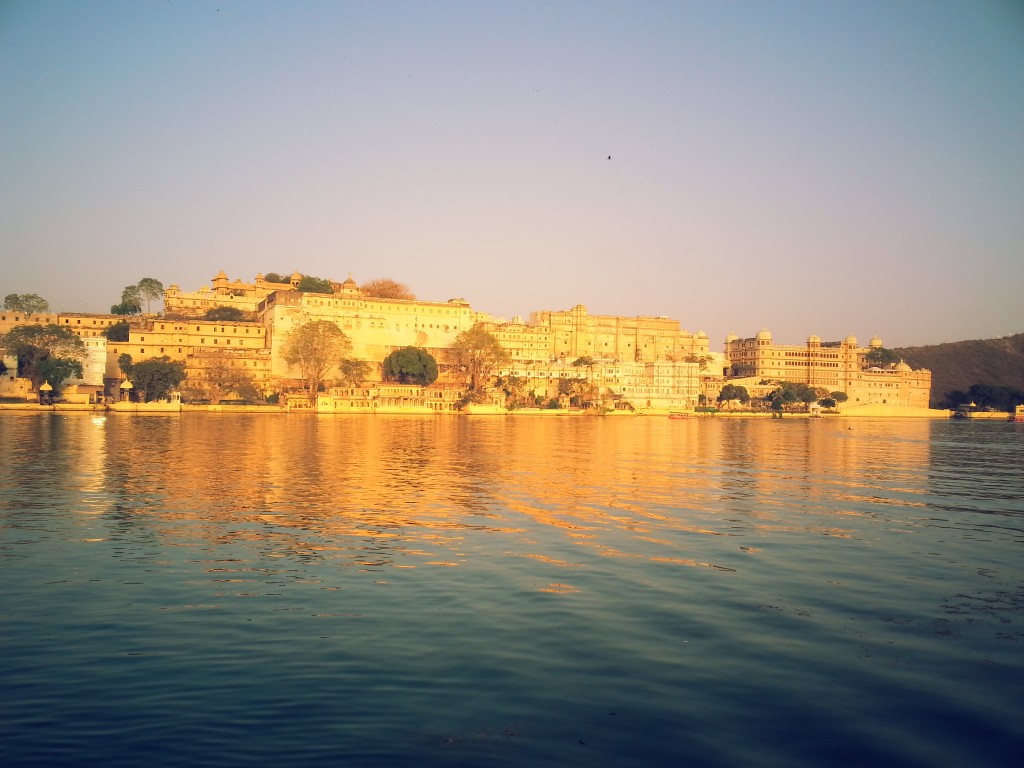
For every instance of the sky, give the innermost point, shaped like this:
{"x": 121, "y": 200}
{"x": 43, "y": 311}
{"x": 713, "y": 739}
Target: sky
{"x": 825, "y": 168}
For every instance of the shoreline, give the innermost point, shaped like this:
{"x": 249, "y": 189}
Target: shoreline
{"x": 865, "y": 411}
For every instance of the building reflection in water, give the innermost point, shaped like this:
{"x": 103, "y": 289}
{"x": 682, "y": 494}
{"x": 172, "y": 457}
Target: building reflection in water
{"x": 376, "y": 492}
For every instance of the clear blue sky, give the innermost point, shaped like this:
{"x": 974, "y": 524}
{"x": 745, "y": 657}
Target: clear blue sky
{"x": 812, "y": 167}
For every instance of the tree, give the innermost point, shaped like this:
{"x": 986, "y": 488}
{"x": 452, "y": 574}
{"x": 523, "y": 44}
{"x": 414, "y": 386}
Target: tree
{"x": 226, "y": 314}
{"x": 827, "y": 402}
{"x": 839, "y": 397}
{"x": 516, "y": 391}
{"x": 789, "y": 393}
{"x": 119, "y": 331}
{"x": 732, "y": 392}
{"x": 411, "y": 365}
{"x": 218, "y": 378}
{"x": 310, "y": 284}
{"x": 580, "y": 391}
{"x": 26, "y": 303}
{"x": 156, "y": 377}
{"x": 40, "y": 347}
{"x": 384, "y": 288}
{"x": 703, "y": 361}
{"x": 150, "y": 289}
{"x": 478, "y": 353}
{"x": 131, "y": 302}
{"x": 353, "y": 372}
{"x": 997, "y": 397}
{"x": 274, "y": 277}
{"x": 880, "y": 357}
{"x": 124, "y": 363}
{"x": 316, "y": 347}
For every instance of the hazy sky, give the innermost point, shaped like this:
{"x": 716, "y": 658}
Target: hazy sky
{"x": 811, "y": 167}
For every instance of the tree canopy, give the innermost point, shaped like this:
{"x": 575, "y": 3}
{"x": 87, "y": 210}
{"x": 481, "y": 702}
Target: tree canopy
{"x": 411, "y": 365}
{"x": 478, "y": 353}
{"x": 383, "y": 288}
{"x": 131, "y": 302}
{"x": 353, "y": 372}
{"x": 790, "y": 393}
{"x": 310, "y": 284}
{"x": 26, "y": 303}
{"x": 315, "y": 347}
{"x": 150, "y": 289}
{"x": 217, "y": 379}
{"x": 226, "y": 314}
{"x": 703, "y": 361}
{"x": 732, "y": 392}
{"x": 880, "y": 357}
{"x": 156, "y": 377}
{"x": 998, "y": 397}
{"x": 119, "y": 331}
{"x": 45, "y": 352}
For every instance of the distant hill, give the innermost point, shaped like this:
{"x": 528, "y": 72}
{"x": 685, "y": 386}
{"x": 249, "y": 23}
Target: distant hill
{"x": 959, "y": 364}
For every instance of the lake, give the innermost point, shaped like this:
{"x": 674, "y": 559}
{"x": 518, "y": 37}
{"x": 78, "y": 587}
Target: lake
{"x": 294, "y": 590}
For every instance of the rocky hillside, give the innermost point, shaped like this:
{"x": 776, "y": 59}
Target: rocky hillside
{"x": 959, "y": 364}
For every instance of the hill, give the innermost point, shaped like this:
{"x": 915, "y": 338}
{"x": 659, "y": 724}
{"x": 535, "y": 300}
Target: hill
{"x": 959, "y": 364}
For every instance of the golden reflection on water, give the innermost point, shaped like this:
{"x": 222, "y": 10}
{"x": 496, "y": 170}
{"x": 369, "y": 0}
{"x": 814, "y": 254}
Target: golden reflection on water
{"x": 389, "y": 492}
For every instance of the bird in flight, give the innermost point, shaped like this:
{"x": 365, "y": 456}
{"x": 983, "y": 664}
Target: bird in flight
{"x": 609, "y": 157}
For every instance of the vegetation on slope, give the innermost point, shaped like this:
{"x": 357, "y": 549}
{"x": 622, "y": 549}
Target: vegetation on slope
{"x": 960, "y": 364}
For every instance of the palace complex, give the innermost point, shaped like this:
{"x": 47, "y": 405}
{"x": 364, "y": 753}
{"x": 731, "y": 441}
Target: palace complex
{"x": 629, "y": 362}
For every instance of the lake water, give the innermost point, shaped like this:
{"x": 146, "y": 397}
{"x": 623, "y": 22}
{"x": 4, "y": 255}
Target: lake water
{"x": 229, "y": 590}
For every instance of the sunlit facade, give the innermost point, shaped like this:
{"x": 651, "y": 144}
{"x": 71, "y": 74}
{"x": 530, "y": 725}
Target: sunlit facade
{"x": 837, "y": 366}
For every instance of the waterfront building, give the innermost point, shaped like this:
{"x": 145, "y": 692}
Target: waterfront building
{"x": 196, "y": 342}
{"x": 835, "y": 366}
{"x": 576, "y": 333}
{"x": 375, "y": 326}
{"x": 655, "y": 385}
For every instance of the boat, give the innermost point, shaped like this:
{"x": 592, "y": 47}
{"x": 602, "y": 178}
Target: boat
{"x": 1018, "y": 414}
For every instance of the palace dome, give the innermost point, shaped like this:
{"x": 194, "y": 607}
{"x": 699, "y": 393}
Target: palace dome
{"x": 764, "y": 335}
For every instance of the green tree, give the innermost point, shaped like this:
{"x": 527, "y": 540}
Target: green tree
{"x": 516, "y": 389}
{"x": 226, "y": 314}
{"x": 315, "y": 347}
{"x": 353, "y": 372}
{"x": 131, "y": 302}
{"x": 839, "y": 397}
{"x": 732, "y": 392}
{"x": 26, "y": 303}
{"x": 40, "y": 347}
{"x": 124, "y": 363}
{"x": 880, "y": 357}
{"x": 410, "y": 365}
{"x": 56, "y": 369}
{"x": 998, "y": 397}
{"x": 217, "y": 379}
{"x": 828, "y": 402}
{"x": 310, "y": 284}
{"x": 150, "y": 289}
{"x": 119, "y": 331}
{"x": 383, "y": 288}
{"x": 477, "y": 353}
{"x": 274, "y": 277}
{"x": 580, "y": 391}
{"x": 155, "y": 378}
{"x": 703, "y": 361}
{"x": 790, "y": 393}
